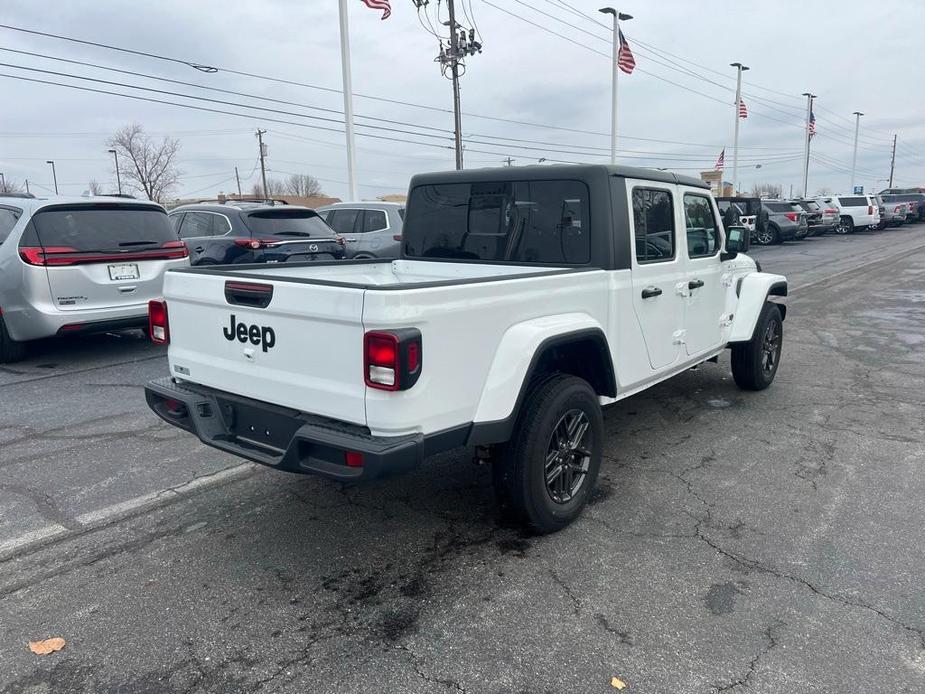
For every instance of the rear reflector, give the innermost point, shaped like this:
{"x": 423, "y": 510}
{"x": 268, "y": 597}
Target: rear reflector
{"x": 353, "y": 458}
{"x": 158, "y": 326}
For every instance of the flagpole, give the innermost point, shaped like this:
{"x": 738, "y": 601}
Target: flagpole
{"x": 348, "y": 100}
{"x": 740, "y": 68}
{"x": 615, "y": 73}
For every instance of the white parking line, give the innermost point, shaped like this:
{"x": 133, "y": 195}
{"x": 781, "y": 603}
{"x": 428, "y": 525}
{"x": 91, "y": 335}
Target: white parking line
{"x": 130, "y": 507}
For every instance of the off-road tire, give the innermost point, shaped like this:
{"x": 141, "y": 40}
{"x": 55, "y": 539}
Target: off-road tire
{"x": 751, "y": 367}
{"x": 520, "y": 469}
{"x": 10, "y": 349}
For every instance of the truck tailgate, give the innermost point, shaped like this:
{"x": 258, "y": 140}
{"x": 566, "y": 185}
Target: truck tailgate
{"x": 303, "y": 349}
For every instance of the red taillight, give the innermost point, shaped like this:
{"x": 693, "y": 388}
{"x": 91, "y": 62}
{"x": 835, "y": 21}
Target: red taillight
{"x": 158, "y": 327}
{"x": 870, "y": 209}
{"x": 65, "y": 255}
{"x": 37, "y": 255}
{"x": 396, "y": 237}
{"x": 256, "y": 243}
{"x": 353, "y": 458}
{"x": 392, "y": 360}
{"x": 792, "y": 216}
{"x": 897, "y": 209}
{"x": 831, "y": 210}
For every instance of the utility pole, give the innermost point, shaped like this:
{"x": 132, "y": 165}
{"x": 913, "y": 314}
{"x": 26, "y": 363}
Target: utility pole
{"x": 27, "y": 187}
{"x": 53, "y": 174}
{"x": 348, "y": 101}
{"x": 263, "y": 167}
{"x": 237, "y": 177}
{"x": 508, "y": 162}
{"x": 614, "y": 74}
{"x": 2, "y": 183}
{"x": 453, "y": 51}
{"x": 115, "y": 155}
{"x": 806, "y": 135}
{"x": 892, "y": 161}
{"x": 854, "y": 157}
{"x": 740, "y": 68}
{"x": 454, "y": 70}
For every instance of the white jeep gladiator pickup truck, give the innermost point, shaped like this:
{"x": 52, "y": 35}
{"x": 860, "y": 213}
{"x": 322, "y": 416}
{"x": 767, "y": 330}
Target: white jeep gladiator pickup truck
{"x": 524, "y": 300}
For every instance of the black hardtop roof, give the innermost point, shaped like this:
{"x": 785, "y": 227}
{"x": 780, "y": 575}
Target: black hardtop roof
{"x": 545, "y": 172}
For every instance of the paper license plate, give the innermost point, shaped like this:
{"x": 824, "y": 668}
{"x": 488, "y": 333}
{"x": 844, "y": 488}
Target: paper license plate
{"x": 123, "y": 272}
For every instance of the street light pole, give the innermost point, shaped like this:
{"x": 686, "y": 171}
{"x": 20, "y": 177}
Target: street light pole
{"x": 740, "y": 68}
{"x": 854, "y": 157}
{"x": 615, "y": 73}
{"x": 115, "y": 155}
{"x": 54, "y": 174}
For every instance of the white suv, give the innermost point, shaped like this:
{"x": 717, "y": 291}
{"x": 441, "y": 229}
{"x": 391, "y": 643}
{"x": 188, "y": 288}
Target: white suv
{"x": 854, "y": 212}
{"x": 79, "y": 265}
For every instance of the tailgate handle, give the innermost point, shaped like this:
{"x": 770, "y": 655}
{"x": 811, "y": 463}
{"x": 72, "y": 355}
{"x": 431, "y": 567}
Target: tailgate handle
{"x": 248, "y": 294}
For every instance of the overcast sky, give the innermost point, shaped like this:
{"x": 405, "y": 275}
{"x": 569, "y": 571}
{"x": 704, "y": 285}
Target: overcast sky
{"x": 856, "y": 56}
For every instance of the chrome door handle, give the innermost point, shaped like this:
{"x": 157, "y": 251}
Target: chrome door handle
{"x": 649, "y": 292}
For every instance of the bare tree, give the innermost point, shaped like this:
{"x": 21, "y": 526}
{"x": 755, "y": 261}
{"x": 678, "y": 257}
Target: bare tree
{"x": 9, "y": 185}
{"x": 145, "y": 164}
{"x": 824, "y": 191}
{"x": 94, "y": 187}
{"x": 274, "y": 187}
{"x": 303, "y": 185}
{"x": 767, "y": 190}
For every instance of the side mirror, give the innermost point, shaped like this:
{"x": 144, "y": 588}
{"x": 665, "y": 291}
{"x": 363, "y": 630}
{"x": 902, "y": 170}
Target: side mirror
{"x": 736, "y": 242}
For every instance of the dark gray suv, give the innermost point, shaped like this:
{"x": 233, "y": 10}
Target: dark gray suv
{"x": 370, "y": 229}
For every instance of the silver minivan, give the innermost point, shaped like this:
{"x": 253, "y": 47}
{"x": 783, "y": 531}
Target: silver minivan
{"x": 80, "y": 265}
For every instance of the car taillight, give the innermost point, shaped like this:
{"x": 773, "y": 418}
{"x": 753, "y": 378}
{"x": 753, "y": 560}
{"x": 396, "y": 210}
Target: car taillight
{"x": 396, "y": 237}
{"x": 256, "y": 243}
{"x": 175, "y": 249}
{"x": 897, "y": 208}
{"x": 870, "y": 209}
{"x": 341, "y": 241}
{"x": 158, "y": 327}
{"x": 392, "y": 359}
{"x": 831, "y": 210}
{"x": 39, "y": 255}
{"x": 792, "y": 216}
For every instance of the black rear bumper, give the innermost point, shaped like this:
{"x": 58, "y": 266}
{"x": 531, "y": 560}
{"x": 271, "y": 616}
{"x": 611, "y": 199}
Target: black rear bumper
{"x": 288, "y": 439}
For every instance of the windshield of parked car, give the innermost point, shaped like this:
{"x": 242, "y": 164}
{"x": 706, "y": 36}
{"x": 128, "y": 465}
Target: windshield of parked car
{"x": 100, "y": 227}
{"x": 541, "y": 222}
{"x": 283, "y": 222}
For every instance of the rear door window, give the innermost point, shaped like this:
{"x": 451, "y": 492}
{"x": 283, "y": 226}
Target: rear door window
{"x": 343, "y": 221}
{"x": 103, "y": 227}
{"x": 535, "y": 222}
{"x": 288, "y": 222}
{"x": 653, "y": 217}
{"x": 374, "y": 220}
{"x": 196, "y": 225}
{"x": 8, "y": 218}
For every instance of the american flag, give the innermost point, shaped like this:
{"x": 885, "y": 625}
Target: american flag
{"x": 383, "y": 5}
{"x": 812, "y": 122}
{"x": 721, "y": 161}
{"x": 625, "y": 58}
{"x": 743, "y": 112}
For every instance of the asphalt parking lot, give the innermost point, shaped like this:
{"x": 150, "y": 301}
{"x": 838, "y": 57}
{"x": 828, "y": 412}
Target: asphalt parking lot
{"x": 762, "y": 542}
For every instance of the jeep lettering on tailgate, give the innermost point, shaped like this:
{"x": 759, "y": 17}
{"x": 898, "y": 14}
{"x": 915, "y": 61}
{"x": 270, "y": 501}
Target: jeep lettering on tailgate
{"x": 257, "y": 334}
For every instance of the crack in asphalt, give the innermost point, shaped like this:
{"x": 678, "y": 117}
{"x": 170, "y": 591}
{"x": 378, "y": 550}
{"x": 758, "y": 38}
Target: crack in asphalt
{"x": 433, "y": 679}
{"x": 76, "y": 372}
{"x": 743, "y": 681}
{"x": 44, "y": 504}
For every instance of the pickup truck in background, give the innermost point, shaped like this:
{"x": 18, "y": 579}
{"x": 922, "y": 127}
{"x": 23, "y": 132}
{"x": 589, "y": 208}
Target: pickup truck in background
{"x": 524, "y": 300}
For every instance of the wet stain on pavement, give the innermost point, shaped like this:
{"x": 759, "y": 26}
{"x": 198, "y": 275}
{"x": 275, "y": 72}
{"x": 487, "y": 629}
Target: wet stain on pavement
{"x": 721, "y": 597}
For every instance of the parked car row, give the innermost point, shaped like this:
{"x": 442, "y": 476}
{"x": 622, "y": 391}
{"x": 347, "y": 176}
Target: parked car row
{"x": 773, "y": 221}
{"x": 85, "y": 265}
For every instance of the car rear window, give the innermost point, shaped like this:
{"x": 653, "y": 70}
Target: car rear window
{"x": 284, "y": 222}
{"x": 537, "y": 222}
{"x": 809, "y": 205}
{"x": 101, "y": 227}
{"x": 778, "y": 206}
{"x": 853, "y": 202}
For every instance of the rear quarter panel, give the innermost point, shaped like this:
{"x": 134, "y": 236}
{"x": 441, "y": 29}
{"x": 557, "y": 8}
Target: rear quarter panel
{"x": 462, "y": 327}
